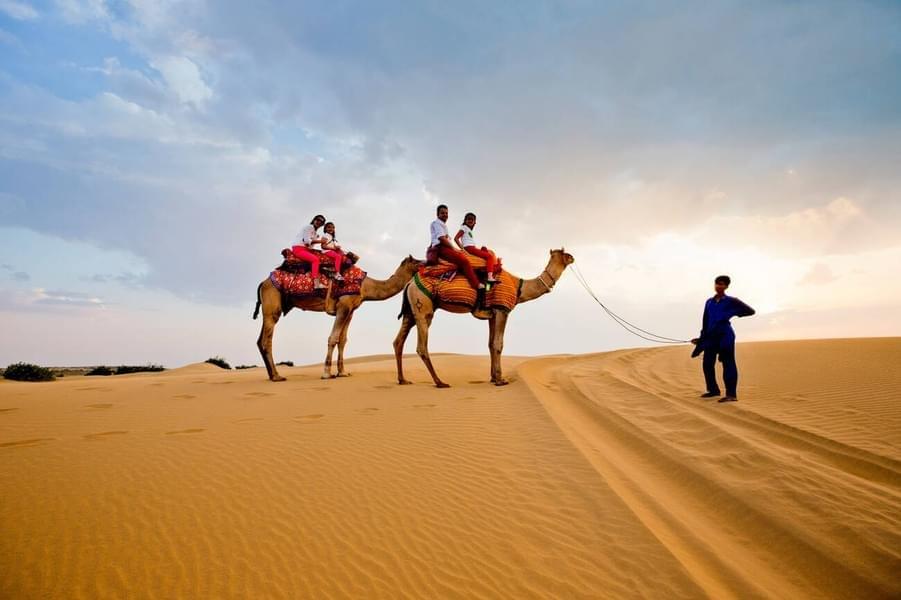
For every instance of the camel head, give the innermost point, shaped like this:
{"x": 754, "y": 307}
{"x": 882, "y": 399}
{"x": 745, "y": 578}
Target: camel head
{"x": 563, "y": 257}
{"x": 410, "y": 265}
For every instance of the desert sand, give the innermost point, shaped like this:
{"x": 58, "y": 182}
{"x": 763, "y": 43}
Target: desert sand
{"x": 589, "y": 476}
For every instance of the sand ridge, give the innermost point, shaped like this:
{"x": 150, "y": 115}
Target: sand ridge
{"x": 590, "y": 476}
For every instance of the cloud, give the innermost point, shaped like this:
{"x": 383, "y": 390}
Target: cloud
{"x": 818, "y": 274}
{"x": 20, "y": 276}
{"x": 18, "y": 10}
{"x": 66, "y": 298}
{"x": 209, "y": 142}
{"x": 183, "y": 77}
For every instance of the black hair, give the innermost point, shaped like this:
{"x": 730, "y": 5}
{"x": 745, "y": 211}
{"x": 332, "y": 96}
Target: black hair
{"x": 327, "y": 224}
{"x": 318, "y": 217}
{"x": 467, "y": 215}
{"x": 723, "y": 279}
{"x": 440, "y": 206}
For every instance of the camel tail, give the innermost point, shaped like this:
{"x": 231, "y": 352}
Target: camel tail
{"x": 405, "y": 308}
{"x": 256, "y": 311}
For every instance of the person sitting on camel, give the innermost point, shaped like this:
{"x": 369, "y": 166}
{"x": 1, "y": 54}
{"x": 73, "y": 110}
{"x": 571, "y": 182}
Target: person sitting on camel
{"x": 467, "y": 243}
{"x": 332, "y": 249}
{"x": 441, "y": 243}
{"x": 303, "y": 247}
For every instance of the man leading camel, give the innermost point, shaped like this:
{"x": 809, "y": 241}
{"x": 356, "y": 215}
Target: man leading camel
{"x": 442, "y": 245}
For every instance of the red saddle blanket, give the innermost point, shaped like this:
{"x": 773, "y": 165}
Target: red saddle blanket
{"x": 301, "y": 284}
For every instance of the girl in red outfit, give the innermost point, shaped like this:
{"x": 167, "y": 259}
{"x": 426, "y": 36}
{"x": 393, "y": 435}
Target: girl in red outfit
{"x": 465, "y": 240}
{"x": 332, "y": 249}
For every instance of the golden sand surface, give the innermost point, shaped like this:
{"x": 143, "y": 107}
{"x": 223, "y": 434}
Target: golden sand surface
{"x": 589, "y": 476}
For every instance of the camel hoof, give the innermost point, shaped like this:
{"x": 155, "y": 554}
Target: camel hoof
{"x": 277, "y": 378}
{"x": 501, "y": 382}
{"x": 441, "y": 384}
{"x": 404, "y": 382}
{"x": 343, "y": 375}
{"x": 325, "y": 376}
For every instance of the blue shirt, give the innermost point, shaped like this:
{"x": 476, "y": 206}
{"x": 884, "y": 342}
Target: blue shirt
{"x": 716, "y": 330}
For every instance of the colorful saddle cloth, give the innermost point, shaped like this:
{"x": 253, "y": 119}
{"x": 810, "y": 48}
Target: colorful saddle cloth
{"x": 326, "y": 264}
{"x": 456, "y": 291}
{"x": 301, "y": 284}
{"x": 446, "y": 268}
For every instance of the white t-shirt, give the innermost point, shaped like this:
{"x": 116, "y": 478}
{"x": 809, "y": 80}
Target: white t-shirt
{"x": 467, "y": 239}
{"x": 438, "y": 229}
{"x": 329, "y": 243}
{"x": 306, "y": 235}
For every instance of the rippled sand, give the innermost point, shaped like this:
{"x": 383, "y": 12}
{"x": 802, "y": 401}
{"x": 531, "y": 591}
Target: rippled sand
{"x": 588, "y": 476}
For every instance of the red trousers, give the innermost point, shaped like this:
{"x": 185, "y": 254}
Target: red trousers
{"x": 459, "y": 259}
{"x": 336, "y": 256}
{"x": 303, "y": 253}
{"x": 488, "y": 255}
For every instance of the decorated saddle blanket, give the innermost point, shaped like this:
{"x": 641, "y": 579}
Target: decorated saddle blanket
{"x": 448, "y": 269}
{"x": 456, "y": 291}
{"x": 291, "y": 264}
{"x": 301, "y": 284}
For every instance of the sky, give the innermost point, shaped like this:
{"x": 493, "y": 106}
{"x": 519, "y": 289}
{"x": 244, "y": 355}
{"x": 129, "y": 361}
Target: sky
{"x": 156, "y": 155}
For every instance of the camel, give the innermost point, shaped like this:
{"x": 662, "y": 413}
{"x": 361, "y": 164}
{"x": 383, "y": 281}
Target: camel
{"x": 274, "y": 305}
{"x": 419, "y": 309}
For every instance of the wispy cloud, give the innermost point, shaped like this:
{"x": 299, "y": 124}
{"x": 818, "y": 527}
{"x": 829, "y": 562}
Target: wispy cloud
{"x": 18, "y": 10}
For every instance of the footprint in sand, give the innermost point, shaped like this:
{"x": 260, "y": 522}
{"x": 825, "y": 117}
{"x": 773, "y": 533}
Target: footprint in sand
{"x": 248, "y": 420}
{"x": 259, "y": 394}
{"x": 424, "y": 406}
{"x": 155, "y": 384}
{"x": 23, "y": 443}
{"x": 477, "y": 381}
{"x": 223, "y": 382}
{"x": 181, "y": 431}
{"x": 98, "y": 405}
{"x": 322, "y": 388}
{"x": 306, "y": 419}
{"x": 3, "y": 410}
{"x": 93, "y": 389}
{"x": 367, "y": 411}
{"x": 199, "y": 381}
{"x": 184, "y": 396}
{"x": 102, "y": 435}
{"x": 384, "y": 387}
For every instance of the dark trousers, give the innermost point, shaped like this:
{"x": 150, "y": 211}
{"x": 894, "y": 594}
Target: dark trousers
{"x": 730, "y": 371}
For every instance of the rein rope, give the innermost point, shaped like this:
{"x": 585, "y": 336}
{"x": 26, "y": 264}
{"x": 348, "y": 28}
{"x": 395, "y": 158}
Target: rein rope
{"x": 633, "y": 329}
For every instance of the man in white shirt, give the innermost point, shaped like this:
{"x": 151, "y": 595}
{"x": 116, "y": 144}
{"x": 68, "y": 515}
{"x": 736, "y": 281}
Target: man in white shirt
{"x": 442, "y": 245}
{"x": 306, "y": 239}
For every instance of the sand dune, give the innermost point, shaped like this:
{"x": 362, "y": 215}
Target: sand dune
{"x": 588, "y": 476}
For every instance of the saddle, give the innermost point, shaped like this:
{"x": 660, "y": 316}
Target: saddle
{"x": 292, "y": 264}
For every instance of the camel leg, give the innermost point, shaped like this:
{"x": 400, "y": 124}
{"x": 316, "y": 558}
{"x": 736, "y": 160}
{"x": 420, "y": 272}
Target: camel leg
{"x": 272, "y": 311}
{"x": 333, "y": 339}
{"x": 491, "y": 327}
{"x": 422, "y": 346}
{"x": 405, "y": 327}
{"x": 342, "y": 341}
{"x": 497, "y": 346}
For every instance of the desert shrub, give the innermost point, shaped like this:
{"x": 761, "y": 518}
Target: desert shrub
{"x": 219, "y": 362}
{"x": 246, "y": 367}
{"x": 27, "y": 372}
{"x": 286, "y": 363}
{"x": 124, "y": 369}
{"x": 101, "y": 370}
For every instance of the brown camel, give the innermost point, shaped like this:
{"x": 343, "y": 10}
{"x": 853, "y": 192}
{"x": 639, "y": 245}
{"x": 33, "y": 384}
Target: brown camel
{"x": 419, "y": 309}
{"x": 275, "y": 305}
